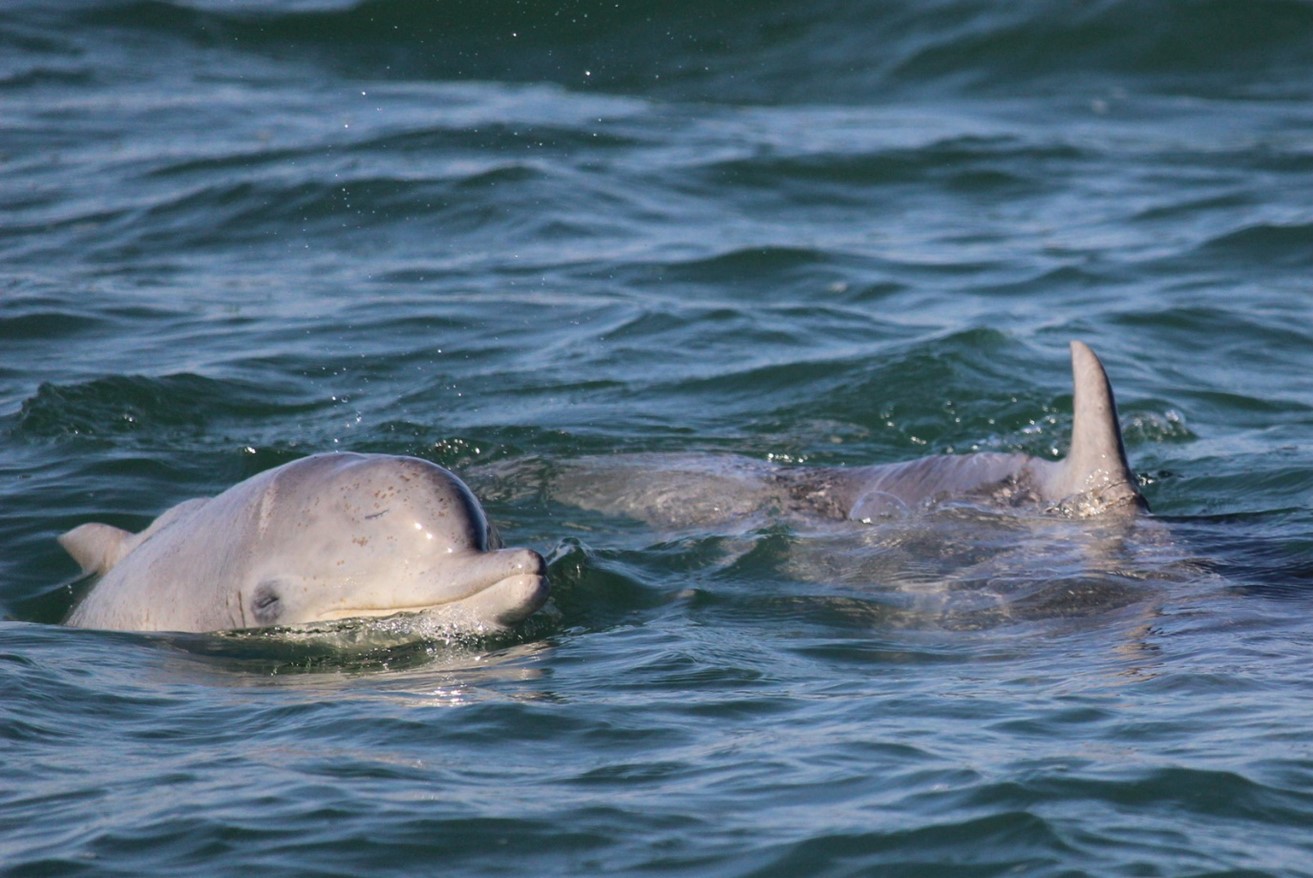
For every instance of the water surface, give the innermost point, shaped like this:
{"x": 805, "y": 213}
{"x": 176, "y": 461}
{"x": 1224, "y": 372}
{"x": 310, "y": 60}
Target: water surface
{"x": 504, "y": 236}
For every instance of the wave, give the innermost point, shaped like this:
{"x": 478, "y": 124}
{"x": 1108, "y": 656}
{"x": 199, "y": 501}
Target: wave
{"x": 125, "y": 404}
{"x": 1287, "y": 245}
{"x": 768, "y": 52}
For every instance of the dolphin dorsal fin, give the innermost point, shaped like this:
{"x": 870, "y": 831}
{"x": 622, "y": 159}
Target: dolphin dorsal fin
{"x": 1095, "y": 467}
{"x": 96, "y": 547}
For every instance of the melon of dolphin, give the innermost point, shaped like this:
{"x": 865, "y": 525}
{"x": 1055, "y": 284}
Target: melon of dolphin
{"x": 690, "y": 490}
{"x": 326, "y": 537}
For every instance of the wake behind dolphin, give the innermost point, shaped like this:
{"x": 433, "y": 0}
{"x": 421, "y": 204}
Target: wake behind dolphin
{"x": 333, "y": 536}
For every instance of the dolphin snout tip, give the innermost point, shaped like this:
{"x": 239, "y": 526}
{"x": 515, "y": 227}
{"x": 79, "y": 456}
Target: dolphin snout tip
{"x": 522, "y": 596}
{"x": 527, "y": 562}
{"x": 537, "y": 564}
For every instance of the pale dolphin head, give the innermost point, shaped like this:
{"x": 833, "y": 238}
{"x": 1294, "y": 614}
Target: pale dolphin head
{"x": 328, "y": 537}
{"x": 343, "y": 536}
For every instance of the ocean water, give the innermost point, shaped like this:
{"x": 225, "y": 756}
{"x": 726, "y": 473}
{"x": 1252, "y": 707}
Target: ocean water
{"x": 509, "y": 235}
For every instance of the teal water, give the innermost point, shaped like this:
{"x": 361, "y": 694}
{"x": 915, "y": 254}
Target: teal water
{"x": 509, "y": 235}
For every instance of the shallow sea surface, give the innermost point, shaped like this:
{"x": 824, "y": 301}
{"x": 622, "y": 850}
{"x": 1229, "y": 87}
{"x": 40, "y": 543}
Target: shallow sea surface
{"x": 508, "y": 235}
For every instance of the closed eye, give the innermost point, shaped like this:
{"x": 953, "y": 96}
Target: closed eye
{"x": 266, "y": 604}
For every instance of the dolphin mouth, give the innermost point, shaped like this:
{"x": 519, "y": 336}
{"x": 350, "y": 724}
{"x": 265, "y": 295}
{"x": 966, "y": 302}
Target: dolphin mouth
{"x": 504, "y": 602}
{"x": 516, "y": 588}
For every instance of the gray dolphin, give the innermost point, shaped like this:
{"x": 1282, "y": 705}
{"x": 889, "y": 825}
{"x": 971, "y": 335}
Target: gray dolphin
{"x": 686, "y": 490}
{"x": 326, "y": 537}
{"x": 956, "y": 541}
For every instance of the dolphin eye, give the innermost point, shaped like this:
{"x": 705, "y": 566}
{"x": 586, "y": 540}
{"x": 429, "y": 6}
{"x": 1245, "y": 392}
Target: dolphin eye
{"x": 266, "y": 604}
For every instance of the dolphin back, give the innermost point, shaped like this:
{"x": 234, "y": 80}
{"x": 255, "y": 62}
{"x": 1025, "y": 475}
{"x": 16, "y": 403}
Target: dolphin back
{"x": 97, "y": 547}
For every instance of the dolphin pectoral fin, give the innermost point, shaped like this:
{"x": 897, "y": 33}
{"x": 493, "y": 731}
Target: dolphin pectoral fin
{"x": 96, "y": 547}
{"x": 1095, "y": 468}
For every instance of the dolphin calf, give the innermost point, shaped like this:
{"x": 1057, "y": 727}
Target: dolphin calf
{"x": 332, "y": 536}
{"x": 677, "y": 491}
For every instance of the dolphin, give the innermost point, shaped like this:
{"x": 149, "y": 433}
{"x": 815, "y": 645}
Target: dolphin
{"x": 332, "y": 536}
{"x": 960, "y": 542}
{"x": 675, "y": 491}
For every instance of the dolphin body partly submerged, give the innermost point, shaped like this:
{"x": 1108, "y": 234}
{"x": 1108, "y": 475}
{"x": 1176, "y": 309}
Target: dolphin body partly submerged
{"x": 332, "y": 536}
{"x": 676, "y": 491}
{"x": 344, "y": 535}
{"x": 1094, "y": 478}
{"x": 953, "y": 541}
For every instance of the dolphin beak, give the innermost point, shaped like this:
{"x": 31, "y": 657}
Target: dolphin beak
{"x": 502, "y": 587}
{"x": 496, "y": 588}
{"x": 477, "y": 572}
{"x": 499, "y": 588}
{"x": 511, "y": 600}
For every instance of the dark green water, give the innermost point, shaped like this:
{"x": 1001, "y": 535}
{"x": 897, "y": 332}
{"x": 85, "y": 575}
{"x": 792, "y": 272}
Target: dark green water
{"x": 509, "y": 235}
